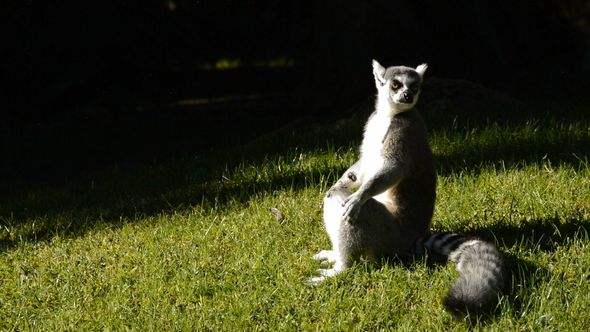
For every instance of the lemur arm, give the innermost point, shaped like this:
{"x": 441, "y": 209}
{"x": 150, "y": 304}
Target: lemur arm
{"x": 386, "y": 177}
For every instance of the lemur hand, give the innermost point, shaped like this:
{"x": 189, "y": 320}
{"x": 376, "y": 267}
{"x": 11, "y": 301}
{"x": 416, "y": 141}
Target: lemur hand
{"x": 352, "y": 207}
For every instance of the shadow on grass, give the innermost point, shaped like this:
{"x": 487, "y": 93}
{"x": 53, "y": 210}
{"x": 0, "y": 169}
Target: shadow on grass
{"x": 114, "y": 199}
{"x": 569, "y": 147}
{"x": 118, "y": 197}
{"x": 536, "y": 237}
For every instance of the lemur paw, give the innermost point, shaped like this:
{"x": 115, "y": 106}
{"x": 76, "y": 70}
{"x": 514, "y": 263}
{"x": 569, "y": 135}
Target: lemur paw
{"x": 327, "y": 255}
{"x": 327, "y": 272}
{"x": 352, "y": 207}
{"x": 314, "y": 281}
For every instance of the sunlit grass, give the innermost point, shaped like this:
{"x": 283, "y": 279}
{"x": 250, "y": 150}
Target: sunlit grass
{"x": 191, "y": 245}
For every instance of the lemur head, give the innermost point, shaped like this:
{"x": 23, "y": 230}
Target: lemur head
{"x": 400, "y": 86}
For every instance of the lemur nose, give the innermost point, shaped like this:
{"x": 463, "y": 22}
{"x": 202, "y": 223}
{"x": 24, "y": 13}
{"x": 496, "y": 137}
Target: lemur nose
{"x": 407, "y": 96}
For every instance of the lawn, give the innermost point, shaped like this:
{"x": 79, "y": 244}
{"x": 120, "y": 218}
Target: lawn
{"x": 190, "y": 245}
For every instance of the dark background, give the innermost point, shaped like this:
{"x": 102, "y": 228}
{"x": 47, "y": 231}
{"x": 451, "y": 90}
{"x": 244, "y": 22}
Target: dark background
{"x": 91, "y": 84}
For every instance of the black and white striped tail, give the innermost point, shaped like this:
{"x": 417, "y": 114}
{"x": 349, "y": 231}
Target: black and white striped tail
{"x": 481, "y": 267}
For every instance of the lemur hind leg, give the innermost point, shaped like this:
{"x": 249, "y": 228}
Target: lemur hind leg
{"x": 369, "y": 236}
{"x": 332, "y": 220}
{"x": 333, "y": 210}
{"x": 351, "y": 179}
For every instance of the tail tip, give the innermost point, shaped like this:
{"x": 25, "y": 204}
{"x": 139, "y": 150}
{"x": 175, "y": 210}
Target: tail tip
{"x": 461, "y": 308}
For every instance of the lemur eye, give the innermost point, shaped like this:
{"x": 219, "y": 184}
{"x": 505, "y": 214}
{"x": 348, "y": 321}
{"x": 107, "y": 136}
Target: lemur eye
{"x": 414, "y": 87}
{"x": 395, "y": 85}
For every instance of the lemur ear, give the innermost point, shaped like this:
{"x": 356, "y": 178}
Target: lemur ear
{"x": 421, "y": 69}
{"x": 379, "y": 73}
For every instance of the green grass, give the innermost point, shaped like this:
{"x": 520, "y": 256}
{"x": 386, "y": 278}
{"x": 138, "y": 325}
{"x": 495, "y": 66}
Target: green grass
{"x": 191, "y": 246}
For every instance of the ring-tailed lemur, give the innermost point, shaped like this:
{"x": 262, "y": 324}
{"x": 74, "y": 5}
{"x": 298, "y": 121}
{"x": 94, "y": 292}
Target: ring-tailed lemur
{"x": 389, "y": 215}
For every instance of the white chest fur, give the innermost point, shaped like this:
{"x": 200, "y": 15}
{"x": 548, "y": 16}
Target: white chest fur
{"x": 371, "y": 157}
{"x": 375, "y": 130}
